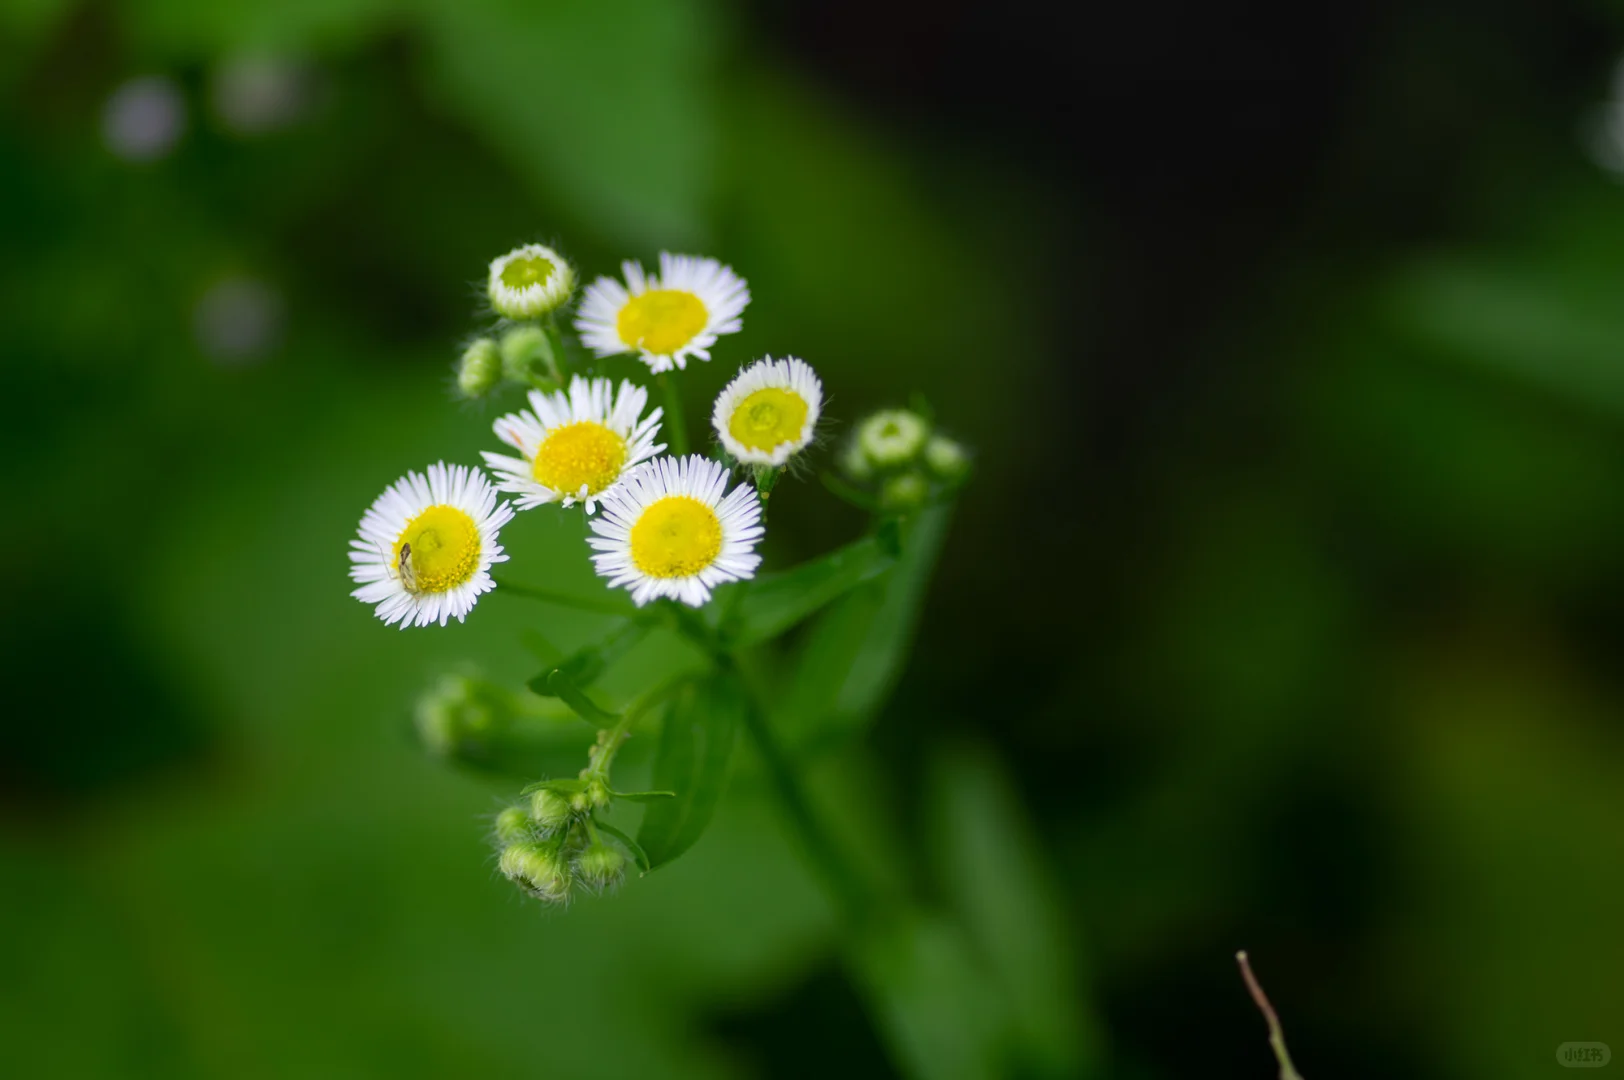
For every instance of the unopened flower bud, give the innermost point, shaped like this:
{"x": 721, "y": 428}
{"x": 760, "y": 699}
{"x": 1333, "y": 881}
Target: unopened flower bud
{"x": 529, "y": 282}
{"x": 537, "y": 869}
{"x": 892, "y": 437}
{"x": 596, "y": 795}
{"x": 946, "y": 458}
{"x": 601, "y": 866}
{"x": 513, "y": 825}
{"x": 854, "y": 462}
{"x": 480, "y": 369}
{"x": 550, "y": 810}
{"x": 452, "y": 711}
{"x": 904, "y": 493}
{"x": 526, "y": 353}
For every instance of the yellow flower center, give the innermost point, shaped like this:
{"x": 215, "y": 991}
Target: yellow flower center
{"x": 438, "y": 550}
{"x": 767, "y": 418}
{"x": 583, "y": 453}
{"x": 661, "y": 320}
{"x": 677, "y": 536}
{"x": 528, "y": 270}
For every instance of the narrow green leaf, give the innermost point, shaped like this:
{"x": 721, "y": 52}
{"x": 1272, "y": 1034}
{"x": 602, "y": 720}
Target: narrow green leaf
{"x": 696, "y": 744}
{"x": 889, "y": 536}
{"x": 858, "y": 647}
{"x": 585, "y": 665}
{"x": 994, "y": 873}
{"x": 563, "y": 687}
{"x": 775, "y": 602}
{"x": 643, "y": 796}
{"x": 930, "y": 998}
{"x": 845, "y": 492}
{"x": 566, "y": 786}
{"x": 638, "y": 854}
{"x": 537, "y": 644}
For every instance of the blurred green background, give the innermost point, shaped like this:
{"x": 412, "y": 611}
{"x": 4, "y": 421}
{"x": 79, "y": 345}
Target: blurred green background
{"x": 1284, "y": 612}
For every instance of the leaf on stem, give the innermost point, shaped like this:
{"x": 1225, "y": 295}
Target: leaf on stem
{"x": 845, "y": 492}
{"x": 856, "y": 651}
{"x": 584, "y": 666}
{"x": 643, "y": 796}
{"x": 994, "y": 875}
{"x": 638, "y": 854}
{"x": 537, "y": 645}
{"x": 776, "y": 602}
{"x": 564, "y": 688}
{"x": 696, "y": 745}
{"x": 565, "y": 786}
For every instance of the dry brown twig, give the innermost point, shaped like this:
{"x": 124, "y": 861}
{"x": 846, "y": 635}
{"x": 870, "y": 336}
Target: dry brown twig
{"x": 1277, "y": 1038}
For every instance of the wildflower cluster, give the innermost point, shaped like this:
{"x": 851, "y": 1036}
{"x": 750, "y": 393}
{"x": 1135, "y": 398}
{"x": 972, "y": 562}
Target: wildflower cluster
{"x": 555, "y": 840}
{"x": 896, "y": 453}
{"x": 666, "y": 525}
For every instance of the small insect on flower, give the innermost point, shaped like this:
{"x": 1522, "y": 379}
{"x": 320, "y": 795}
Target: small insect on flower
{"x": 668, "y": 317}
{"x": 669, "y": 530}
{"x": 576, "y": 446}
{"x": 766, "y": 415}
{"x": 529, "y": 282}
{"x": 403, "y": 569}
{"x": 426, "y": 546}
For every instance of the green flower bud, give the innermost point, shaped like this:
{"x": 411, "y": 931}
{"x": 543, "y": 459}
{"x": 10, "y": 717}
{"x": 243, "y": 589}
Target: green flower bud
{"x": 550, "y": 810}
{"x": 455, "y": 710}
{"x": 529, "y": 282}
{"x": 854, "y": 462}
{"x": 596, "y": 795}
{"x": 892, "y": 437}
{"x": 513, "y": 825}
{"x": 480, "y": 369}
{"x": 526, "y": 353}
{"x": 904, "y": 493}
{"x": 538, "y": 870}
{"x": 601, "y": 866}
{"x": 946, "y": 458}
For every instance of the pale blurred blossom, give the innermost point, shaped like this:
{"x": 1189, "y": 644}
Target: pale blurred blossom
{"x": 254, "y": 94}
{"x": 144, "y": 118}
{"x": 238, "y": 321}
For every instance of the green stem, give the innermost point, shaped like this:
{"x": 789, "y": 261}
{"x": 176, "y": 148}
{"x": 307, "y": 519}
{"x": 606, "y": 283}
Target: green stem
{"x": 676, "y": 429}
{"x": 579, "y": 603}
{"x": 840, "y": 876}
{"x": 766, "y": 477}
{"x": 603, "y": 756}
{"x": 557, "y": 358}
{"x": 847, "y": 493}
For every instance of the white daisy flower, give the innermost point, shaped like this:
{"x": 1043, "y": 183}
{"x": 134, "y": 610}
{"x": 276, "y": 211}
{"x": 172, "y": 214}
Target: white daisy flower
{"x": 766, "y": 414}
{"x": 530, "y": 281}
{"x": 576, "y": 446}
{"x": 427, "y": 545}
{"x": 668, "y": 530}
{"x": 668, "y": 317}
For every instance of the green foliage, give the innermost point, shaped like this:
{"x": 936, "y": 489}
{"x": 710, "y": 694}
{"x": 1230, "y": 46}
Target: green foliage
{"x": 560, "y": 685}
{"x": 854, "y": 653}
{"x": 776, "y": 602}
{"x": 696, "y": 744}
{"x": 583, "y": 667}
{"x": 931, "y": 998}
{"x": 998, "y": 882}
